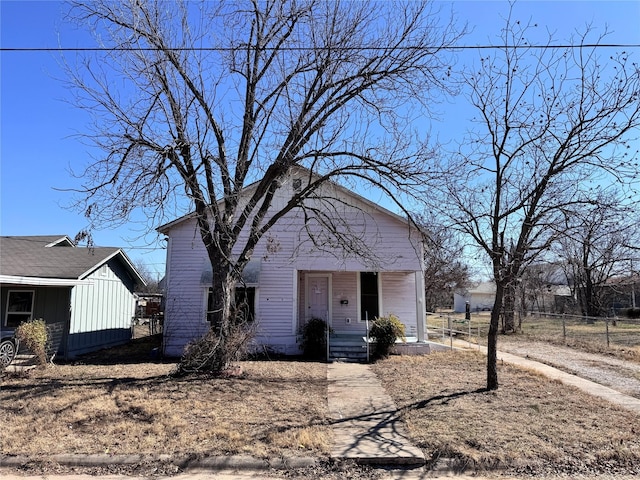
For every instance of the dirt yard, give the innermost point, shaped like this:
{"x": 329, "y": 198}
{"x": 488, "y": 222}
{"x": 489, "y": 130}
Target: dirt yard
{"x": 124, "y": 401}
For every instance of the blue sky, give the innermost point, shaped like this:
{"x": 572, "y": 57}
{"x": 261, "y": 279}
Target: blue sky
{"x": 37, "y": 123}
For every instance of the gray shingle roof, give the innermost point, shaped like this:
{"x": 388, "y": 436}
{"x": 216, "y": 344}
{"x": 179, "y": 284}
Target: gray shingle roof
{"x": 31, "y": 257}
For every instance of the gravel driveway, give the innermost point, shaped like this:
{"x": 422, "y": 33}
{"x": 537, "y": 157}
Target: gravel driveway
{"x": 621, "y": 375}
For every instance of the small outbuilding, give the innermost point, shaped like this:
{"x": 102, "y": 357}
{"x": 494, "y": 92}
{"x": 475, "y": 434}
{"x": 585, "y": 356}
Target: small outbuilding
{"x": 85, "y": 295}
{"x": 480, "y": 297}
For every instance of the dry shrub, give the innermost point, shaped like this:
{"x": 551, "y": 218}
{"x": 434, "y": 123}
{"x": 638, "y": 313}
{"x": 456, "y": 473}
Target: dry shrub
{"x": 33, "y": 334}
{"x": 215, "y": 354}
{"x": 385, "y": 331}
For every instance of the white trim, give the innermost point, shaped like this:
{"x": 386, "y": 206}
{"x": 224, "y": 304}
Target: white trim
{"x": 42, "y": 282}
{"x": 381, "y": 312}
{"x": 329, "y": 278}
{"x": 359, "y": 290}
{"x": 60, "y": 240}
{"x": 420, "y": 307}
{"x": 296, "y": 299}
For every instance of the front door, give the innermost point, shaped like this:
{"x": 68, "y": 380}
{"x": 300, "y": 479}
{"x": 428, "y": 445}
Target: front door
{"x": 317, "y": 297}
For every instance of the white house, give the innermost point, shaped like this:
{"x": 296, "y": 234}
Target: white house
{"x": 290, "y": 280}
{"x": 480, "y": 297}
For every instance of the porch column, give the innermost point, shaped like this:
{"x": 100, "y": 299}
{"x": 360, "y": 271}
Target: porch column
{"x": 420, "y": 307}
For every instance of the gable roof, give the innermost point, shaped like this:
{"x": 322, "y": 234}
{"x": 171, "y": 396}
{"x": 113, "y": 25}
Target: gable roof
{"x": 55, "y": 257}
{"x": 299, "y": 170}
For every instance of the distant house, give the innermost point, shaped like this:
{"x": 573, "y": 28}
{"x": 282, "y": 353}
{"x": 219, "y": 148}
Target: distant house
{"x": 291, "y": 279}
{"x": 85, "y": 295}
{"x": 480, "y": 297}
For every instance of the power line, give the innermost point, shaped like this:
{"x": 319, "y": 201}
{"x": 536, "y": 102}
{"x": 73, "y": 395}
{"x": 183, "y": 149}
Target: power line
{"x": 302, "y": 49}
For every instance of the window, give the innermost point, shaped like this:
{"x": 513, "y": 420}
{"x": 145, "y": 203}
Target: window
{"x": 368, "y": 295}
{"x": 245, "y": 304}
{"x": 19, "y": 307}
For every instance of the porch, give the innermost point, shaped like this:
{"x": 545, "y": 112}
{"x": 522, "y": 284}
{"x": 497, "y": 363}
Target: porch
{"x": 349, "y": 347}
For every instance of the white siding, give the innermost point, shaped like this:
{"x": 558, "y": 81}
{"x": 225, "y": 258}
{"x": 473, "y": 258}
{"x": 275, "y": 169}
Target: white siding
{"x": 286, "y": 253}
{"x": 185, "y": 294}
{"x": 399, "y": 299}
{"x": 345, "y": 288}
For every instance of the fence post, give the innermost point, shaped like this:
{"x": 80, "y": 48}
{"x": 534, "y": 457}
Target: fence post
{"x": 444, "y": 331}
{"x": 564, "y": 328}
{"x": 450, "y": 333}
{"x": 606, "y": 324}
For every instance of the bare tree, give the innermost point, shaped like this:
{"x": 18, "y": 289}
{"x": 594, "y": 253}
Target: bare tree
{"x": 551, "y": 125}
{"x": 537, "y": 281}
{"x": 597, "y": 245}
{"x": 445, "y": 270}
{"x": 194, "y": 101}
{"x": 152, "y": 282}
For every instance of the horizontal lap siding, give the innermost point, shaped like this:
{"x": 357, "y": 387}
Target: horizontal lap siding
{"x": 399, "y": 298}
{"x": 345, "y": 287}
{"x": 185, "y": 295}
{"x": 384, "y": 241}
{"x": 284, "y": 250}
{"x": 276, "y": 297}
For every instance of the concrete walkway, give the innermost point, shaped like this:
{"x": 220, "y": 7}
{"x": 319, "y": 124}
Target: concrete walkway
{"x": 365, "y": 420}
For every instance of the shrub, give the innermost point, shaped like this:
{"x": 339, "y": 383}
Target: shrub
{"x": 385, "y": 331}
{"x": 212, "y": 354}
{"x": 313, "y": 340}
{"x": 33, "y": 335}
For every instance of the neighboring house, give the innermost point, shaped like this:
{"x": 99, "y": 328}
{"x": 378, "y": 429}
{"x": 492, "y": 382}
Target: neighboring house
{"x": 290, "y": 280}
{"x": 85, "y": 295}
{"x": 480, "y": 297}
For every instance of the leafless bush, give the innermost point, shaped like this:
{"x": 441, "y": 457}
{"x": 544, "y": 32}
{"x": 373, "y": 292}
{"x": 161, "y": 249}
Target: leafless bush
{"x": 214, "y": 353}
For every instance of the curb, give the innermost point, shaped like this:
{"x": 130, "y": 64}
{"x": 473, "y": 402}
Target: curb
{"x": 184, "y": 463}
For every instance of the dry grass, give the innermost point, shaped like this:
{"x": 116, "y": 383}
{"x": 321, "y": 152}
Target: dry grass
{"x": 272, "y": 408}
{"x": 624, "y": 336}
{"x": 530, "y": 421}
{"x": 278, "y": 408}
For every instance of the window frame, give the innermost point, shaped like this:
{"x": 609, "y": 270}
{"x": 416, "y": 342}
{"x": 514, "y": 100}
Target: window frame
{"x": 361, "y": 297}
{"x": 239, "y": 289}
{"x": 28, "y": 313}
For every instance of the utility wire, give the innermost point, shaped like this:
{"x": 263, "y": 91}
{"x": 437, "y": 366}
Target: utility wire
{"x": 296, "y": 49}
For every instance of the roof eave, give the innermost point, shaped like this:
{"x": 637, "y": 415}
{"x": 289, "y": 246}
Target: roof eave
{"x": 42, "y": 281}
{"x": 132, "y": 269}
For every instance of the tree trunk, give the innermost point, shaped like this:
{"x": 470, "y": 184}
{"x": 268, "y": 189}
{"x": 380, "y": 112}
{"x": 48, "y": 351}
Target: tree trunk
{"x": 220, "y": 307}
{"x": 492, "y": 340}
{"x": 508, "y": 308}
